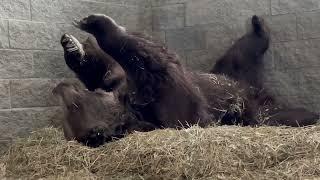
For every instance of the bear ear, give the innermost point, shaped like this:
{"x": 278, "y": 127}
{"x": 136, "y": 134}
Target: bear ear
{"x": 257, "y": 24}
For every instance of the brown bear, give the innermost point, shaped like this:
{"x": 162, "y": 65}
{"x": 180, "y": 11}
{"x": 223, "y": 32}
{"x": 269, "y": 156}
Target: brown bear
{"x": 243, "y": 60}
{"x": 94, "y": 118}
{"x": 163, "y": 93}
{"x": 218, "y": 84}
{"x": 158, "y": 89}
{"x": 93, "y": 67}
{"x": 228, "y": 101}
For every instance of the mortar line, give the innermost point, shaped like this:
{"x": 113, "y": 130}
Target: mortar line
{"x": 38, "y": 22}
{"x": 298, "y": 12}
{"x": 36, "y": 78}
{"x": 8, "y": 34}
{"x": 30, "y": 108}
{"x": 152, "y": 19}
{"x": 296, "y": 40}
{"x": 149, "y": 3}
{"x": 21, "y": 49}
{"x": 184, "y": 14}
{"x": 32, "y": 67}
{"x": 110, "y": 3}
{"x": 10, "y": 99}
{"x": 273, "y": 65}
{"x": 270, "y": 7}
{"x": 297, "y": 34}
{"x": 170, "y": 4}
{"x": 30, "y": 6}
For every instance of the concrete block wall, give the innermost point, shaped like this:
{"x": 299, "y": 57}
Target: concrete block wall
{"x": 201, "y": 30}
{"x": 31, "y": 58}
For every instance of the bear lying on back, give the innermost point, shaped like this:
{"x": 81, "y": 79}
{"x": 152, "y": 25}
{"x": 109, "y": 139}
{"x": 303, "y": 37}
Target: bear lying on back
{"x": 159, "y": 89}
{"x": 223, "y": 97}
{"x": 217, "y": 89}
{"x": 94, "y": 118}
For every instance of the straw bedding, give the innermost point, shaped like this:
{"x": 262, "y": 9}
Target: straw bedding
{"x": 226, "y": 152}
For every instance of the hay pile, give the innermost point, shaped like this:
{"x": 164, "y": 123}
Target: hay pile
{"x": 195, "y": 153}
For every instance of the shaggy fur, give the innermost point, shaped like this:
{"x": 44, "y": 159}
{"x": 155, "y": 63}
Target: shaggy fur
{"x": 217, "y": 89}
{"x": 94, "y": 118}
{"x": 243, "y": 61}
{"x": 92, "y": 66}
{"x": 160, "y": 91}
{"x": 168, "y": 91}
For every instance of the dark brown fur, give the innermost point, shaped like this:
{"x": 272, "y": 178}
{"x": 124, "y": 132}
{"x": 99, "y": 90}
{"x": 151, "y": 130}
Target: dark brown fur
{"x": 94, "y": 118}
{"x": 224, "y": 99}
{"x": 161, "y": 91}
{"x": 218, "y": 88}
{"x": 92, "y": 66}
{"x": 158, "y": 88}
{"x": 243, "y": 61}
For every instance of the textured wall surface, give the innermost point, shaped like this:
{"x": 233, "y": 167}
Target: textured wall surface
{"x": 31, "y": 59}
{"x": 201, "y": 30}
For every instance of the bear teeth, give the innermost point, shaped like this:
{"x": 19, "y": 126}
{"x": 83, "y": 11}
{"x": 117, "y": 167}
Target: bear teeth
{"x": 70, "y": 45}
{"x": 72, "y": 49}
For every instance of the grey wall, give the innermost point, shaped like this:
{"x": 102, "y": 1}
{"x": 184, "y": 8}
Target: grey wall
{"x": 31, "y": 59}
{"x": 201, "y": 30}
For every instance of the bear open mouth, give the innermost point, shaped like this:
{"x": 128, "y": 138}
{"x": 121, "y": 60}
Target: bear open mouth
{"x": 69, "y": 43}
{"x": 73, "y": 48}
